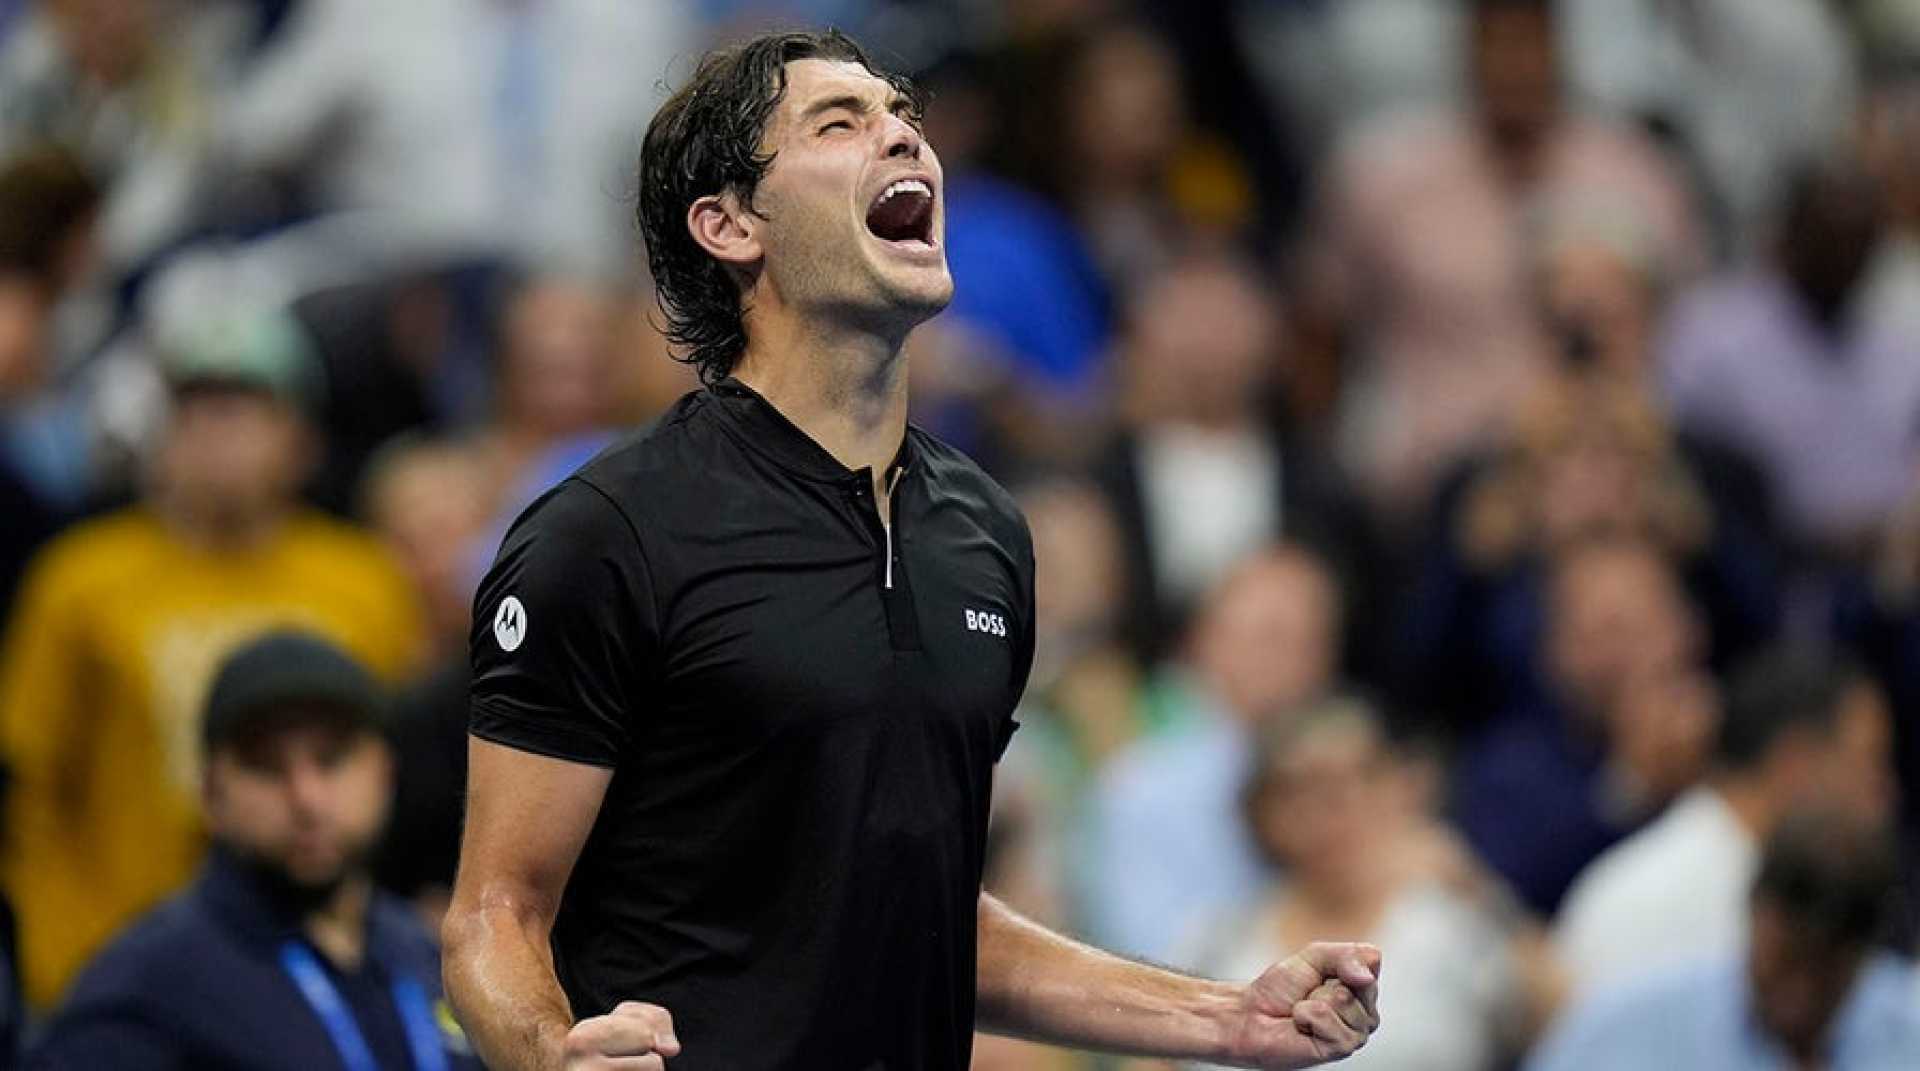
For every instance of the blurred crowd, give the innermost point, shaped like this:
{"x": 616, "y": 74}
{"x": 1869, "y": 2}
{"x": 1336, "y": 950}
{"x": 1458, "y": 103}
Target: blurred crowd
{"x": 1472, "y": 449}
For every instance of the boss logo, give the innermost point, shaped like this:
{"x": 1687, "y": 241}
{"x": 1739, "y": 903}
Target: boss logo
{"x": 991, "y": 624}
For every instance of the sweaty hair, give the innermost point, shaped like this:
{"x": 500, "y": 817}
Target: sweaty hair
{"x": 1831, "y": 875}
{"x": 1777, "y": 693}
{"x": 706, "y": 140}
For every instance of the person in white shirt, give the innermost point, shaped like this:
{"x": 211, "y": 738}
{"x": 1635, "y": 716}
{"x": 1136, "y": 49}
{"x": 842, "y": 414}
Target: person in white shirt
{"x": 463, "y": 128}
{"x": 1332, "y": 802}
{"x": 1798, "y": 730}
{"x": 1167, "y": 841}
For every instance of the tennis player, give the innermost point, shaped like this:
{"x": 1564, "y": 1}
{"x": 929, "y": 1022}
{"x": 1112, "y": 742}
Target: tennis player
{"x": 741, "y": 682}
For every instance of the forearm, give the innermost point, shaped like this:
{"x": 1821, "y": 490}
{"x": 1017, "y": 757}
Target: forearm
{"x": 499, "y": 976}
{"x": 1035, "y": 984}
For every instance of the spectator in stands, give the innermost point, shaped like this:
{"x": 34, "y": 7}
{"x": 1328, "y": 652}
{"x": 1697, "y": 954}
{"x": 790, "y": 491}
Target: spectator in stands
{"x": 1098, "y": 122}
{"x": 1878, "y": 615}
{"x": 393, "y": 367}
{"x": 48, "y": 210}
{"x": 122, "y": 621}
{"x": 1890, "y": 148}
{"x": 131, "y": 86}
{"x": 1420, "y": 266}
{"x": 1085, "y": 681}
{"x": 553, "y": 401}
{"x": 429, "y": 500}
{"x": 1809, "y": 990}
{"x": 1331, "y": 804}
{"x": 1604, "y": 293}
{"x": 1750, "y": 92}
{"x": 1331, "y": 67}
{"x": 1590, "y": 456}
{"x": 1200, "y": 474}
{"x": 1169, "y": 843}
{"x": 1799, "y": 731}
{"x": 281, "y": 953}
{"x": 1624, "y": 724}
{"x": 1087, "y": 700}
{"x": 554, "y": 374}
{"x": 1005, "y": 244}
{"x": 454, "y": 130}
{"x": 1780, "y": 362}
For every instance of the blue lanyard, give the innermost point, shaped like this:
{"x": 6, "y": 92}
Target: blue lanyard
{"x": 416, "y": 1015}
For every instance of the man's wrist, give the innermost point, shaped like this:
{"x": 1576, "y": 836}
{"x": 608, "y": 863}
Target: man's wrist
{"x": 1221, "y": 1010}
{"x": 550, "y": 1043}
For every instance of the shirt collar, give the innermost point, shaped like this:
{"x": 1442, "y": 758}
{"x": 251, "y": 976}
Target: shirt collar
{"x": 235, "y": 899}
{"x": 767, "y": 431}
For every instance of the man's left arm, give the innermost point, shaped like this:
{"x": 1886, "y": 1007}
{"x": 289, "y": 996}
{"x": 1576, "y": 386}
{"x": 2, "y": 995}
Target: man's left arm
{"x": 1318, "y": 1005}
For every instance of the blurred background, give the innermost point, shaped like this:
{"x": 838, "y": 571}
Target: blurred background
{"x": 1472, "y": 448}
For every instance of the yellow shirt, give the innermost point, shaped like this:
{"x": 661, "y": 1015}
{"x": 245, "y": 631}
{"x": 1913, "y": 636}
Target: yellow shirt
{"x": 111, "y": 649}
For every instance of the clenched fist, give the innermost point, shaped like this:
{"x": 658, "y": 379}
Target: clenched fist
{"x": 1314, "y": 1007}
{"x": 631, "y": 1037}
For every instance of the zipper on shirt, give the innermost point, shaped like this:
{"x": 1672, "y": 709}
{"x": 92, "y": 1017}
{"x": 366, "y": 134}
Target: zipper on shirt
{"x": 896, "y": 585}
{"x": 886, "y": 526}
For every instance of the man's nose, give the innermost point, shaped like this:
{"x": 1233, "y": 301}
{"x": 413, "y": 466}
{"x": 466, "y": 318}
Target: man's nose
{"x": 307, "y": 786}
{"x": 903, "y": 139}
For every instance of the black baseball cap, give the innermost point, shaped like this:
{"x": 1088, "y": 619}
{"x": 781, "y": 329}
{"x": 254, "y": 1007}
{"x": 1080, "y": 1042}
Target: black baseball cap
{"x": 288, "y": 672}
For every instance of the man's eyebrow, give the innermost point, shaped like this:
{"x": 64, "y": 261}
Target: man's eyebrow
{"x": 895, "y": 102}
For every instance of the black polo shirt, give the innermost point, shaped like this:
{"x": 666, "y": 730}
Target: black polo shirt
{"x": 801, "y": 710}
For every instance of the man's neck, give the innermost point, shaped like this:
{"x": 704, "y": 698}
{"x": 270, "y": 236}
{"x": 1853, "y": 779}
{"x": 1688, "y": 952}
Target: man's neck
{"x": 214, "y": 530}
{"x": 338, "y": 928}
{"x": 846, "y": 389}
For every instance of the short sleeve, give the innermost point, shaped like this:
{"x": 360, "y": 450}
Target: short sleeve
{"x": 1024, "y": 640}
{"x": 564, "y": 630}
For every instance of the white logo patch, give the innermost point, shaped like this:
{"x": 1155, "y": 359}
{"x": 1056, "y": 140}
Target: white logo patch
{"x": 510, "y": 624}
{"x": 991, "y": 624}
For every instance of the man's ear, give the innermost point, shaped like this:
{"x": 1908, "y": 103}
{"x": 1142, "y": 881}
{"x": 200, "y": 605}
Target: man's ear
{"x": 726, "y": 229}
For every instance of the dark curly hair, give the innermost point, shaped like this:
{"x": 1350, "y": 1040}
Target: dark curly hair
{"x": 706, "y": 140}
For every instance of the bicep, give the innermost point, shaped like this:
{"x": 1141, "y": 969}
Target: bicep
{"x": 527, "y": 817}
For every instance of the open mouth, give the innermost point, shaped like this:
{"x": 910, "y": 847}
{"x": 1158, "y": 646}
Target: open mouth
{"x": 903, "y": 213}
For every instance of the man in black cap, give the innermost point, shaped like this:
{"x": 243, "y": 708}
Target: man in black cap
{"x": 282, "y": 954}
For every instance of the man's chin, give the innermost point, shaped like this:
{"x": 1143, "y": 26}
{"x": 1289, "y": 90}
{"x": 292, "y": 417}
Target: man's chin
{"x": 919, "y": 279}
{"x": 925, "y": 294}
{"x": 300, "y": 881}
{"x": 316, "y": 877}
{"x": 297, "y": 888}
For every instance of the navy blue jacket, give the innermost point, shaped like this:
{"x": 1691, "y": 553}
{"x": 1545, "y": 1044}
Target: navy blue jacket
{"x": 198, "y": 984}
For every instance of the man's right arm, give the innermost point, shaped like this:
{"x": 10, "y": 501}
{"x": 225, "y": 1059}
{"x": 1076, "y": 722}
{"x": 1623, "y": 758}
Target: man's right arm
{"x": 561, "y": 623}
{"x": 527, "y": 817}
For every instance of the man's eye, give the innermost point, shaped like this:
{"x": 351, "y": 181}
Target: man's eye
{"x": 839, "y": 124}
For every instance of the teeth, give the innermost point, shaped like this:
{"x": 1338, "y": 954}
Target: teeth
{"x": 906, "y": 186}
